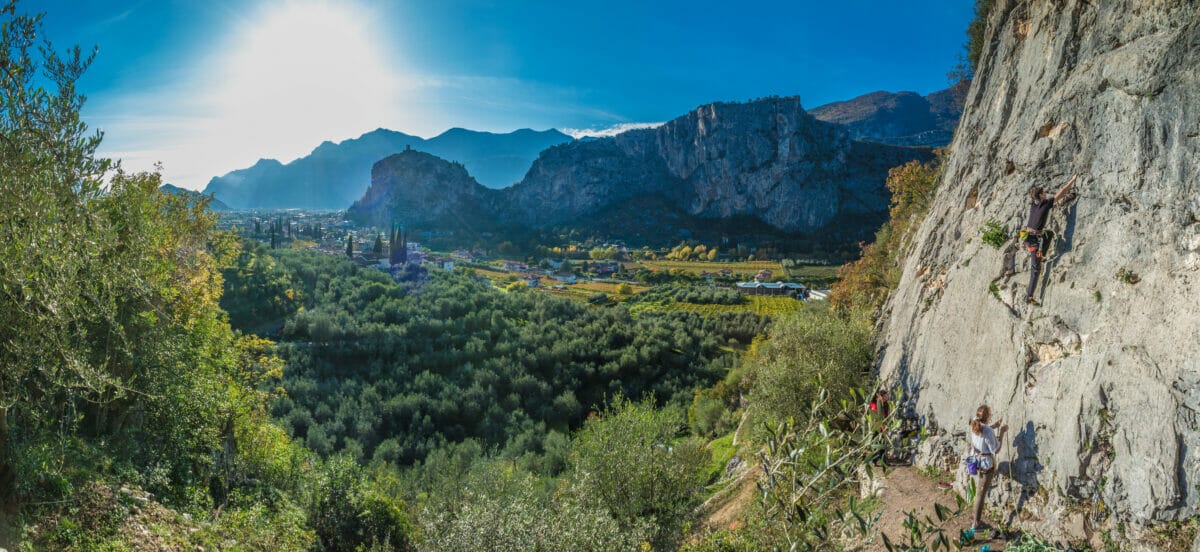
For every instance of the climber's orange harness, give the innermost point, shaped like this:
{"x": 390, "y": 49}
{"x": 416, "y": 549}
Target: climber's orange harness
{"x": 1033, "y": 247}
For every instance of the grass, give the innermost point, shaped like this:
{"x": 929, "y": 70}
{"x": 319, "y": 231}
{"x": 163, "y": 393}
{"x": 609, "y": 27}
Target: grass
{"x": 818, "y": 275}
{"x": 722, "y": 450}
{"x": 606, "y": 287}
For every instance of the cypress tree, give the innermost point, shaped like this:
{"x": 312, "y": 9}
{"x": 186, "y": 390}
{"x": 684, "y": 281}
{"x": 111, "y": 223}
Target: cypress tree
{"x": 350, "y": 246}
{"x": 378, "y": 250}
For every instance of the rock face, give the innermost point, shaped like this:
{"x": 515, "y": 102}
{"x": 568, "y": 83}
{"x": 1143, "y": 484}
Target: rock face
{"x": 766, "y": 160}
{"x": 1101, "y": 385}
{"x": 434, "y": 191}
{"x": 334, "y": 175}
{"x": 899, "y": 118}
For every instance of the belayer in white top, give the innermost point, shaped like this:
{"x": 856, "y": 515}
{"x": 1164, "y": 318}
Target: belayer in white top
{"x": 984, "y": 444}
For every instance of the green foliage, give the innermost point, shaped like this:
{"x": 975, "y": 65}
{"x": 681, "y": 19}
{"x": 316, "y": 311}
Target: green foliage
{"x": 709, "y": 416}
{"x": 808, "y": 354}
{"x": 498, "y": 508}
{"x": 722, "y": 451}
{"x": 863, "y": 285}
{"x": 630, "y": 462}
{"x": 398, "y": 370}
{"x": 994, "y": 234}
{"x": 811, "y": 466}
{"x": 694, "y": 294}
{"x": 1031, "y": 543}
{"x": 603, "y": 253}
{"x": 1128, "y": 276}
{"x": 120, "y": 369}
{"x": 349, "y": 514}
{"x": 264, "y": 292}
{"x": 108, "y": 296}
{"x": 976, "y": 34}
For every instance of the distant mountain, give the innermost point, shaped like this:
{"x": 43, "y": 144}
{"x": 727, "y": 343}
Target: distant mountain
{"x": 766, "y": 161}
{"x": 215, "y": 204}
{"x": 899, "y": 118}
{"x": 334, "y": 175}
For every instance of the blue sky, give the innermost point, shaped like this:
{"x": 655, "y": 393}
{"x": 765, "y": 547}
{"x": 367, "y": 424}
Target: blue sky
{"x": 208, "y": 86}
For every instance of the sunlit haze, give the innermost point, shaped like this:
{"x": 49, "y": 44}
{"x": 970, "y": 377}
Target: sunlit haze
{"x": 206, "y": 88}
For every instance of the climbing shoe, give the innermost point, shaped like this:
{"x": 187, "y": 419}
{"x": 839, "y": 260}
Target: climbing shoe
{"x": 1033, "y": 302}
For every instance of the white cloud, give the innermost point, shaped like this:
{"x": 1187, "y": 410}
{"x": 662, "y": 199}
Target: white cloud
{"x": 607, "y": 131}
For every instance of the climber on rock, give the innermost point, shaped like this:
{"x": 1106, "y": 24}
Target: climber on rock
{"x": 1031, "y": 236}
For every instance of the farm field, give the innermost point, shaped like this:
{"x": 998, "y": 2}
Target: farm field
{"x": 697, "y": 267}
{"x": 817, "y": 276}
{"x": 758, "y": 304}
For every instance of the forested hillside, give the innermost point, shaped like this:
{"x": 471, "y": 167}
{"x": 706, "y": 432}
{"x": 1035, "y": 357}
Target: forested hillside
{"x": 393, "y": 371}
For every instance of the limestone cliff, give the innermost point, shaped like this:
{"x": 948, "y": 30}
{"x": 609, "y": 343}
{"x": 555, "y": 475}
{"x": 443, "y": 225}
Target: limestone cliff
{"x": 429, "y": 191}
{"x": 766, "y": 161}
{"x": 1101, "y": 385}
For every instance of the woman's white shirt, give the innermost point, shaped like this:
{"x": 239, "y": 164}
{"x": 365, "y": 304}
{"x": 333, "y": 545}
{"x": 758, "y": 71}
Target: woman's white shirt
{"x": 985, "y": 443}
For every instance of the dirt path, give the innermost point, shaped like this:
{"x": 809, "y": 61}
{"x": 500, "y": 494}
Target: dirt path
{"x": 907, "y": 490}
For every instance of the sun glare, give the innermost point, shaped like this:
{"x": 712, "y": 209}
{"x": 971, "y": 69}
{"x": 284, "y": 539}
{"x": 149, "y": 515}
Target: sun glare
{"x": 300, "y": 73}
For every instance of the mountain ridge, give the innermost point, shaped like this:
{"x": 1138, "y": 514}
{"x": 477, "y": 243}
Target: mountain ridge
{"x": 768, "y": 160}
{"x": 334, "y": 174}
{"x": 899, "y": 118}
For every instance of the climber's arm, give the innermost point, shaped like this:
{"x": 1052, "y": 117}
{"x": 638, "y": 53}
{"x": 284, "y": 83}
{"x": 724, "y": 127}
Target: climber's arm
{"x": 1062, "y": 192}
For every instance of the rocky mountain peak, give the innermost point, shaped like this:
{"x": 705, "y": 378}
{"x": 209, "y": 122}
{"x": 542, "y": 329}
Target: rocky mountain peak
{"x": 766, "y": 160}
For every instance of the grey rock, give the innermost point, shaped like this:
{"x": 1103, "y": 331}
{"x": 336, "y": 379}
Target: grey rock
{"x": 767, "y": 160}
{"x": 1100, "y": 385}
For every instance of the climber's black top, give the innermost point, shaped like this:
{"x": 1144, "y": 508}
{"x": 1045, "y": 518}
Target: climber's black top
{"x": 1038, "y": 211}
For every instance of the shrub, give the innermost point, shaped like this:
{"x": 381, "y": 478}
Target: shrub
{"x": 995, "y": 234}
{"x": 629, "y": 462}
{"x": 808, "y": 353}
{"x": 349, "y": 514}
{"x": 503, "y": 509}
{"x": 707, "y": 416}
